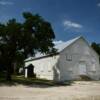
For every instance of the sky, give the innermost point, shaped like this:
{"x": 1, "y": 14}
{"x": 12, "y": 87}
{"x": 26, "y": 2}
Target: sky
{"x": 69, "y": 18}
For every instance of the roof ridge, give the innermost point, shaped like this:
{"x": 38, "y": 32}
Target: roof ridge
{"x": 60, "y": 47}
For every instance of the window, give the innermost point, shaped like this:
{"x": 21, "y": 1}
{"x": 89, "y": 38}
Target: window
{"x": 68, "y": 57}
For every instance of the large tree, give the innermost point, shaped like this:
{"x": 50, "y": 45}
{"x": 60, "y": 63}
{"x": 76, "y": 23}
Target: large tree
{"x": 19, "y": 40}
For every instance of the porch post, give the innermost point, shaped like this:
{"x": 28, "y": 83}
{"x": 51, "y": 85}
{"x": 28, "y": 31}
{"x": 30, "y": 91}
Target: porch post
{"x": 26, "y": 72}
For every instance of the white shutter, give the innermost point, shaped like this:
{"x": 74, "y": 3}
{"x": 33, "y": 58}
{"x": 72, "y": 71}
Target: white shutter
{"x": 70, "y": 69}
{"x": 93, "y": 67}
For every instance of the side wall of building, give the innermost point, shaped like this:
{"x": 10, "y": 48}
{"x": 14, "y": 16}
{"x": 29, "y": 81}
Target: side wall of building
{"x": 45, "y": 68}
{"x": 72, "y": 56}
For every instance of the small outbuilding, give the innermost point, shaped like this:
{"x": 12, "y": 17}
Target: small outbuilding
{"x": 74, "y": 59}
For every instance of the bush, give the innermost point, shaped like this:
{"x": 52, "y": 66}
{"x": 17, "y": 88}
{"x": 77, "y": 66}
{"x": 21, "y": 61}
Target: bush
{"x": 85, "y": 78}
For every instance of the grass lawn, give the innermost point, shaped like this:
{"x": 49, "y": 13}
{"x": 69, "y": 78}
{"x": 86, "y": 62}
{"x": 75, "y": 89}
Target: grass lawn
{"x": 30, "y": 81}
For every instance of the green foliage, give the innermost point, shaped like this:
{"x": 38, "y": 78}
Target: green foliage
{"x": 96, "y": 47}
{"x": 19, "y": 40}
{"x": 85, "y": 78}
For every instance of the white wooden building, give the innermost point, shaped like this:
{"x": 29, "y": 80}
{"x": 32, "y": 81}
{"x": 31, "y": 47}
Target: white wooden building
{"x": 74, "y": 58}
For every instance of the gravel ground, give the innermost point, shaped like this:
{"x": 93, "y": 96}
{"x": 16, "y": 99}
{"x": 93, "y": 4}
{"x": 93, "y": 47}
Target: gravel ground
{"x": 79, "y": 90}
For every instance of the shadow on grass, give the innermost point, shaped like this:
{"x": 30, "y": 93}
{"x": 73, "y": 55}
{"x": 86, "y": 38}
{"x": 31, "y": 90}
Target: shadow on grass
{"x": 33, "y": 82}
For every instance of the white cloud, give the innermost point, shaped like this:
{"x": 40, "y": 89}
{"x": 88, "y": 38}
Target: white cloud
{"x": 69, "y": 24}
{"x": 98, "y": 4}
{"x": 58, "y": 42}
{"x": 6, "y": 3}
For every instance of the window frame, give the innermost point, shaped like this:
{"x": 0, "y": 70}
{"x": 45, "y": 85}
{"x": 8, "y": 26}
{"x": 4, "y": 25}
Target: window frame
{"x": 68, "y": 57}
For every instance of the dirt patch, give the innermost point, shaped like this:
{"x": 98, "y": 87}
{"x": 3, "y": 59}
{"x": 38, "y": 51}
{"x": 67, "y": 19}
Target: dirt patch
{"x": 79, "y": 90}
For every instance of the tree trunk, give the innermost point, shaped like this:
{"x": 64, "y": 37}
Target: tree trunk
{"x": 8, "y": 75}
{"x": 14, "y": 69}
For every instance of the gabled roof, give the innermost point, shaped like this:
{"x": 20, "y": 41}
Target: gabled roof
{"x": 60, "y": 47}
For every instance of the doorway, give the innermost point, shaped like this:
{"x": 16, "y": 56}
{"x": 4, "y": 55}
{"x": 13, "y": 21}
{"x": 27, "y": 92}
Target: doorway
{"x": 30, "y": 71}
{"x": 82, "y": 68}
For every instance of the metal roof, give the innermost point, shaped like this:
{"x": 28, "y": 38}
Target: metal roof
{"x": 60, "y": 47}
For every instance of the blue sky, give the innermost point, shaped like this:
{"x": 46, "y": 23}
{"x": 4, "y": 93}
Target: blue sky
{"x": 69, "y": 18}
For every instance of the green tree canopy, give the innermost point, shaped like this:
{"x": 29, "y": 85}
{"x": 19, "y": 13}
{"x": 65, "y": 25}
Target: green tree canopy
{"x": 96, "y": 47}
{"x": 19, "y": 40}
